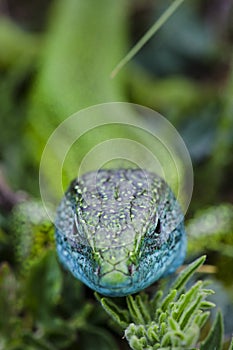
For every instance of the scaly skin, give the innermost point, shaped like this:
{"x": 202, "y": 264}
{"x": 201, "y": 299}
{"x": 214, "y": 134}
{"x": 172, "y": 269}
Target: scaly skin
{"x": 118, "y": 231}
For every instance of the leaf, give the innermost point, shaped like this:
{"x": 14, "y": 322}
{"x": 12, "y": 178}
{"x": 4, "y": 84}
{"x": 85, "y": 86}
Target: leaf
{"x": 231, "y": 345}
{"x": 17, "y": 44}
{"x": 96, "y": 338}
{"x": 186, "y": 299}
{"x": 214, "y": 339}
{"x": 136, "y": 336}
{"x": 59, "y": 333}
{"x": 191, "y": 310}
{"x": 72, "y": 294}
{"x": 142, "y": 301}
{"x": 177, "y": 318}
{"x": 134, "y": 343}
{"x": 9, "y": 301}
{"x": 37, "y": 344}
{"x": 121, "y": 316}
{"x": 169, "y": 298}
{"x": 156, "y": 300}
{"x": 134, "y": 310}
{"x": 187, "y": 273}
{"x": 173, "y": 324}
{"x": 212, "y": 229}
{"x": 79, "y": 320}
{"x": 43, "y": 286}
{"x": 201, "y": 318}
{"x": 33, "y": 233}
{"x": 207, "y": 305}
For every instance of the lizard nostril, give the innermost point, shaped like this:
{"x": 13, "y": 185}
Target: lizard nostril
{"x": 130, "y": 269}
{"x": 97, "y": 271}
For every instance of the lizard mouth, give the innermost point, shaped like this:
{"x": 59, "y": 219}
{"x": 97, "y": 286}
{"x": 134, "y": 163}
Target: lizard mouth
{"x": 115, "y": 280}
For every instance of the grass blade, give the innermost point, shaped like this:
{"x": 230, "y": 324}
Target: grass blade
{"x": 214, "y": 338}
{"x": 147, "y": 36}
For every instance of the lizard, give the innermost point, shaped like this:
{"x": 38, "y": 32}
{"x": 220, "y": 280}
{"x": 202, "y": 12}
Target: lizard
{"x": 120, "y": 230}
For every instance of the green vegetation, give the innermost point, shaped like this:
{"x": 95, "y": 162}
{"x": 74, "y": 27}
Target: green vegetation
{"x": 55, "y": 59}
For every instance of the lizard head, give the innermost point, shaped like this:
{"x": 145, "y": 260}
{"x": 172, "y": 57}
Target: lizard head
{"x": 120, "y": 230}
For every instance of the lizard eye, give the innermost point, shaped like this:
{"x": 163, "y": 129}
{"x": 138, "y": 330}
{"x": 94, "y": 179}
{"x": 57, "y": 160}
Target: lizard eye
{"x": 153, "y": 238}
{"x": 158, "y": 227}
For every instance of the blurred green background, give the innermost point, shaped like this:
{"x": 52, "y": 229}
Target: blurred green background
{"x": 55, "y": 59}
